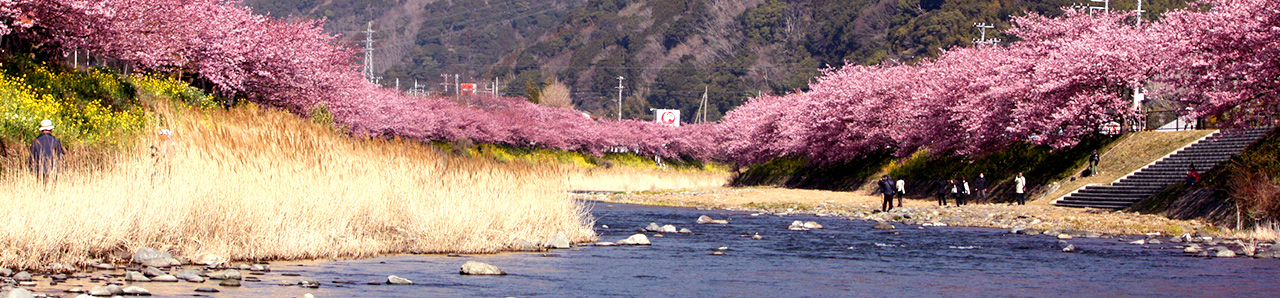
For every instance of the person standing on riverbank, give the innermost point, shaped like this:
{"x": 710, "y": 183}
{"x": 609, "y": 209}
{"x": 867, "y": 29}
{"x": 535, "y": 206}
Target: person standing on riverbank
{"x": 1093, "y": 162}
{"x": 886, "y": 188}
{"x": 902, "y": 190}
{"x": 980, "y": 185}
{"x": 1019, "y": 185}
{"x": 962, "y": 190}
{"x": 163, "y": 154}
{"x": 46, "y": 153}
{"x": 943, "y": 187}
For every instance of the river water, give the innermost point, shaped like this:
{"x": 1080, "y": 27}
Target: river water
{"x": 846, "y": 259}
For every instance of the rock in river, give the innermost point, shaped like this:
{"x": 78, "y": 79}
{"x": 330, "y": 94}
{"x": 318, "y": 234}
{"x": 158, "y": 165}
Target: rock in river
{"x": 478, "y": 268}
{"x": 668, "y": 229}
{"x": 99, "y": 291}
{"x": 226, "y": 274}
{"x": 880, "y": 225}
{"x": 812, "y": 225}
{"x": 797, "y": 226}
{"x": 152, "y": 272}
{"x": 207, "y": 290}
{"x": 637, "y": 239}
{"x": 165, "y": 278}
{"x": 135, "y": 276}
{"x": 396, "y": 280}
{"x": 20, "y": 293}
{"x": 136, "y": 291}
{"x": 22, "y": 276}
{"x": 1225, "y": 253}
{"x": 1069, "y": 248}
{"x": 1064, "y": 236}
{"x": 707, "y": 220}
{"x": 653, "y": 227}
{"x": 230, "y": 283}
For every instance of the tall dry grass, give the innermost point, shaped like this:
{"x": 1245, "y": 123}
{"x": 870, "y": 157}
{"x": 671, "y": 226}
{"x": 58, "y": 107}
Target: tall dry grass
{"x": 251, "y": 184}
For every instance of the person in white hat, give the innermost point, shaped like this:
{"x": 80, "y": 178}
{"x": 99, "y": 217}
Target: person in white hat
{"x": 163, "y": 153}
{"x": 46, "y": 152}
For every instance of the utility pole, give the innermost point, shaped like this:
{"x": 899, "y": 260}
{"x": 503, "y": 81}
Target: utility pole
{"x": 1139, "y": 11}
{"x": 701, "y": 116}
{"x": 620, "y": 78}
{"x": 397, "y": 84}
{"x": 368, "y": 55}
{"x": 982, "y": 27}
{"x": 445, "y": 84}
{"x": 457, "y": 85}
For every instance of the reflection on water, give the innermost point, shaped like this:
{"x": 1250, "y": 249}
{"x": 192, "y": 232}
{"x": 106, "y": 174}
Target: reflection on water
{"x": 847, "y": 258}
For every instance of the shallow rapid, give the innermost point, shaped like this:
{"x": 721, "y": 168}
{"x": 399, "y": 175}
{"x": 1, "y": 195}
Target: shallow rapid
{"x": 846, "y": 258}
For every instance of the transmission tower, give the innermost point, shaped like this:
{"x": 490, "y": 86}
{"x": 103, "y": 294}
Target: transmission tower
{"x": 368, "y": 55}
{"x": 983, "y": 40}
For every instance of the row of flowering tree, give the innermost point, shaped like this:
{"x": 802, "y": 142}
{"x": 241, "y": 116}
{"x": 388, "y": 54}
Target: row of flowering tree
{"x": 1064, "y": 78}
{"x": 293, "y": 64}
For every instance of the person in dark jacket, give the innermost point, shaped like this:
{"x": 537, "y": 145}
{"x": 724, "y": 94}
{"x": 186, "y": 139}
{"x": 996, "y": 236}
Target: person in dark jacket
{"x": 1094, "y": 158}
{"x": 944, "y": 187}
{"x": 887, "y": 188}
{"x": 1192, "y": 175}
{"x": 46, "y": 153}
{"x": 961, "y": 190}
{"x": 980, "y": 187}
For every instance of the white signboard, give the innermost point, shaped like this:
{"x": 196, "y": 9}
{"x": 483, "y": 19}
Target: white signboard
{"x": 667, "y": 117}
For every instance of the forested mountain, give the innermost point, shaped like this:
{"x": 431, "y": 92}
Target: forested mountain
{"x": 669, "y": 51}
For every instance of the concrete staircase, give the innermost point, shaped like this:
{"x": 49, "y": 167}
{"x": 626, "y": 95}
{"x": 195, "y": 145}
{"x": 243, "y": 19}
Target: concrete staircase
{"x": 1155, "y": 177}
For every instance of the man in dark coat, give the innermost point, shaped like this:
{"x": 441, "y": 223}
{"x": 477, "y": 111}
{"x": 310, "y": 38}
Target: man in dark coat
{"x": 887, "y": 188}
{"x": 980, "y": 185}
{"x": 1094, "y": 158}
{"x": 46, "y": 152}
{"x": 944, "y": 188}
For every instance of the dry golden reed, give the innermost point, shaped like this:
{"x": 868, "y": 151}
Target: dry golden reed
{"x": 252, "y": 184}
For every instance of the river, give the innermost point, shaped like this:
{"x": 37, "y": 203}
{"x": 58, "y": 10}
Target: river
{"x": 845, "y": 259}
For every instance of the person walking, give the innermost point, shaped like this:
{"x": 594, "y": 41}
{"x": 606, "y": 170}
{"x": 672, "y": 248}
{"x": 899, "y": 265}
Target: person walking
{"x": 46, "y": 153}
{"x": 1019, "y": 186}
{"x": 962, "y": 191}
{"x": 1094, "y": 158}
{"x": 944, "y": 187}
{"x": 980, "y": 185}
{"x": 886, "y": 188}
{"x": 902, "y": 189}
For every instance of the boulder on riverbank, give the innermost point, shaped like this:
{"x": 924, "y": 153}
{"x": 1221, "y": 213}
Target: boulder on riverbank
{"x": 147, "y": 256}
{"x": 208, "y": 260}
{"x": 478, "y": 268}
{"x": 559, "y": 241}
